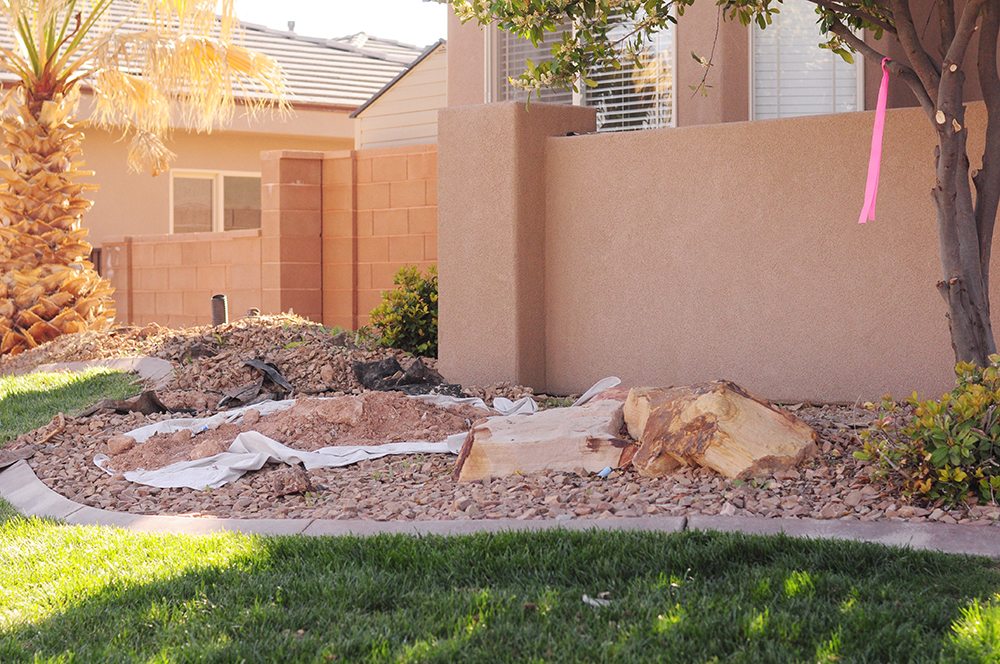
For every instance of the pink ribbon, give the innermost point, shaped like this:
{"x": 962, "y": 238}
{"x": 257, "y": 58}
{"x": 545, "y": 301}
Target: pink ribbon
{"x": 875, "y": 160}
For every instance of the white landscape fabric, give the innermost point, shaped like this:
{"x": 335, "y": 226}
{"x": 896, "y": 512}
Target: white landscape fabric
{"x": 251, "y": 450}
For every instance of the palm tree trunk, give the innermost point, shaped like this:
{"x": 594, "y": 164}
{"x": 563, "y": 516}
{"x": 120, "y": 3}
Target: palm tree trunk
{"x": 48, "y": 286}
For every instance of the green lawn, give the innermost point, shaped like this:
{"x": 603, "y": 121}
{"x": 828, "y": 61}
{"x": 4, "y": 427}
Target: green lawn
{"x": 32, "y": 400}
{"x": 93, "y": 594}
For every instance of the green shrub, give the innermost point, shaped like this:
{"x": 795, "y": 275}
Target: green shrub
{"x": 945, "y": 450}
{"x": 407, "y": 317}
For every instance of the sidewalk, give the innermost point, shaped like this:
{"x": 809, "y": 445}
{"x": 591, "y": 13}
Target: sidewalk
{"x": 20, "y": 487}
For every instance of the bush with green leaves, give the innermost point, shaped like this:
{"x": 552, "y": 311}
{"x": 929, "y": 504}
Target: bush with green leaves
{"x": 407, "y": 317}
{"x": 945, "y": 450}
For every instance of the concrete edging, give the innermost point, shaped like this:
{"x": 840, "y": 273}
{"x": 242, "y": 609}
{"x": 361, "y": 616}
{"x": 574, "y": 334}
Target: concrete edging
{"x": 29, "y": 495}
{"x": 152, "y": 369}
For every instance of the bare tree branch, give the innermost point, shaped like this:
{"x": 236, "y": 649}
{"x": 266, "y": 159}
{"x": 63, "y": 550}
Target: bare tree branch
{"x": 919, "y": 59}
{"x": 963, "y": 34}
{"x": 895, "y": 67}
{"x": 946, "y": 22}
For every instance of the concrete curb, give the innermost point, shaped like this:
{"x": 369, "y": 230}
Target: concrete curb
{"x": 29, "y": 495}
{"x": 152, "y": 369}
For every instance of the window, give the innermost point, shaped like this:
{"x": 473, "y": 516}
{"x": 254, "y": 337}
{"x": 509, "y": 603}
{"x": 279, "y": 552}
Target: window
{"x": 637, "y": 96}
{"x": 205, "y": 201}
{"x": 793, "y": 76}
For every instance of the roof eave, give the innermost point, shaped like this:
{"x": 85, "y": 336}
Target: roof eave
{"x": 410, "y": 67}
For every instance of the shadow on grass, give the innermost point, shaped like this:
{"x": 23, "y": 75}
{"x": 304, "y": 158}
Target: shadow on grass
{"x": 32, "y": 400}
{"x": 509, "y": 597}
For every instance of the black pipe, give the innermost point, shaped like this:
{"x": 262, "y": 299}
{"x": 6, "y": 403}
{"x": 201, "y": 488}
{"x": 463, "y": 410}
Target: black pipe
{"x": 220, "y": 310}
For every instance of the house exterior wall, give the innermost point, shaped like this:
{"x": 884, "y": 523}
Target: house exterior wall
{"x": 719, "y": 251}
{"x": 134, "y": 204}
{"x": 335, "y": 228}
{"x": 728, "y": 98}
{"x": 406, "y": 114}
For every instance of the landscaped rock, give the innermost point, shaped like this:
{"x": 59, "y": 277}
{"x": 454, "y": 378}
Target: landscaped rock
{"x": 558, "y": 439}
{"x": 289, "y": 481}
{"x": 120, "y": 444}
{"x": 717, "y": 425}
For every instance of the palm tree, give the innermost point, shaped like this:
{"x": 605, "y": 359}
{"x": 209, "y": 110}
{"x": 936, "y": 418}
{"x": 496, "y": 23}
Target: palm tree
{"x": 145, "y": 63}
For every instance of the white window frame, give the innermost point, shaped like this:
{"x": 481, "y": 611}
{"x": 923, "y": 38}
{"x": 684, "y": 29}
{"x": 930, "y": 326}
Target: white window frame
{"x": 859, "y": 64}
{"x": 218, "y": 191}
{"x": 490, "y": 93}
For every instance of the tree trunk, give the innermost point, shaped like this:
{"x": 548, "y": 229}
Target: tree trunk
{"x": 965, "y": 284}
{"x": 48, "y": 286}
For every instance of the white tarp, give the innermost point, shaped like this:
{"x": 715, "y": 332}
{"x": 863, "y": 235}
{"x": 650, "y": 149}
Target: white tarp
{"x": 251, "y": 450}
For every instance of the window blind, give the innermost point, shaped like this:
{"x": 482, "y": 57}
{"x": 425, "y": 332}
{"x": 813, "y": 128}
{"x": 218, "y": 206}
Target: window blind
{"x": 792, "y": 75}
{"x": 640, "y": 95}
{"x": 512, "y": 54}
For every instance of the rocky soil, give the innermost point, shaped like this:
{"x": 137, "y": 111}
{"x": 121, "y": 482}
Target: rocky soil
{"x": 372, "y": 418}
{"x": 832, "y": 486}
{"x": 209, "y": 360}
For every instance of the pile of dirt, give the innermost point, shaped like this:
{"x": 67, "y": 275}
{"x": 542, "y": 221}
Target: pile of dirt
{"x": 209, "y": 359}
{"x": 373, "y": 418}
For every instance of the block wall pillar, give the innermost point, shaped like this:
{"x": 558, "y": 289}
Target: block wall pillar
{"x": 291, "y": 232}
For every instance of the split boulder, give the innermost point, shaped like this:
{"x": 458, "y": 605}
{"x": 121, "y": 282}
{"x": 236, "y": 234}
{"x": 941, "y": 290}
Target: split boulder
{"x": 563, "y": 439}
{"x": 718, "y": 425}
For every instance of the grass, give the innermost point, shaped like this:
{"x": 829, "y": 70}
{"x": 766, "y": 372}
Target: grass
{"x": 32, "y": 400}
{"x": 93, "y": 594}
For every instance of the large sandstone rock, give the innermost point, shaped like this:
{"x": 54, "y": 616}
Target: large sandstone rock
{"x": 717, "y": 425}
{"x": 585, "y": 437}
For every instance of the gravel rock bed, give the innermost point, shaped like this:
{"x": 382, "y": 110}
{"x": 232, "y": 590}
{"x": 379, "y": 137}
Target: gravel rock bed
{"x": 832, "y": 486}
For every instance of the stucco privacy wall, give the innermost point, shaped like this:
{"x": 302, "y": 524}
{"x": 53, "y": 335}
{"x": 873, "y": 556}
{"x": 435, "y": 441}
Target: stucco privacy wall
{"x": 673, "y": 256}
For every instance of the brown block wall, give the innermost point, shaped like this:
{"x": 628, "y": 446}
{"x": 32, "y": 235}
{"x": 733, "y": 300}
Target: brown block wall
{"x": 379, "y": 214}
{"x": 171, "y": 279}
{"x": 291, "y": 232}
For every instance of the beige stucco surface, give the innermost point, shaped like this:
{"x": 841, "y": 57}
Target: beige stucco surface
{"x": 722, "y": 251}
{"x": 138, "y": 204}
{"x": 491, "y": 237}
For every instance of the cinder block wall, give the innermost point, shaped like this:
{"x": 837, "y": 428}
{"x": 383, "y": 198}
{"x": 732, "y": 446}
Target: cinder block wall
{"x": 170, "y": 279}
{"x": 335, "y": 228}
{"x": 379, "y": 214}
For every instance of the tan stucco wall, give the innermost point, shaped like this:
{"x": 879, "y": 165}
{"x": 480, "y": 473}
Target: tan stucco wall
{"x": 720, "y": 251}
{"x": 466, "y": 63}
{"x": 138, "y": 204}
{"x": 491, "y": 238}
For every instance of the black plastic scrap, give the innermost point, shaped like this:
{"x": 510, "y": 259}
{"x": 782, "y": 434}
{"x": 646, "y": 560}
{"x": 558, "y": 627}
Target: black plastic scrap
{"x": 271, "y": 385}
{"x": 388, "y": 375}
